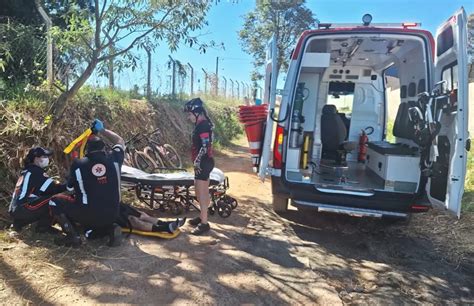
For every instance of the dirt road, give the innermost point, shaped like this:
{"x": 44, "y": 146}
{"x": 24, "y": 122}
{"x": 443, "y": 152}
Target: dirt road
{"x": 255, "y": 256}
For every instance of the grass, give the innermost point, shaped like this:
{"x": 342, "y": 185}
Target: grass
{"x": 468, "y": 198}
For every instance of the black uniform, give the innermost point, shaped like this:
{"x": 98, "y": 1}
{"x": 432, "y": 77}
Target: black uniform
{"x": 32, "y": 194}
{"x": 95, "y": 180}
{"x": 202, "y": 150}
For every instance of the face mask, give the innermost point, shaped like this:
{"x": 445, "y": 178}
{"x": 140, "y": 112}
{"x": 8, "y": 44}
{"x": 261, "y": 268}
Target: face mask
{"x": 43, "y": 162}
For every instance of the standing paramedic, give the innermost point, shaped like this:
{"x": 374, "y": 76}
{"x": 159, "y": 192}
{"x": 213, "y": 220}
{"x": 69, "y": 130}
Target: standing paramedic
{"x": 203, "y": 160}
{"x": 95, "y": 180}
{"x": 33, "y": 191}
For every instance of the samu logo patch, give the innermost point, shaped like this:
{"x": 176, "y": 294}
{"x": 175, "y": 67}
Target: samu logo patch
{"x": 99, "y": 170}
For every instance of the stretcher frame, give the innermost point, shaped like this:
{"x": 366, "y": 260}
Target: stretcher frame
{"x": 178, "y": 195}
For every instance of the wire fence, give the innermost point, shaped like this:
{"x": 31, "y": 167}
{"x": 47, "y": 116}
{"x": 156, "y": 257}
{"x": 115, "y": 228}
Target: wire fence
{"x": 24, "y": 57}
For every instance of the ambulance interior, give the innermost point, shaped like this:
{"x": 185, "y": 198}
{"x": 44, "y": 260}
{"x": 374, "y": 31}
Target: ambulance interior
{"x": 347, "y": 84}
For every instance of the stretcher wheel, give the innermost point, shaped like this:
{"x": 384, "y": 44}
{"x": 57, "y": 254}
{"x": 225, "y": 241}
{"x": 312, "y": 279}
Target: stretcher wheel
{"x": 224, "y": 210}
{"x": 230, "y": 200}
{"x": 211, "y": 210}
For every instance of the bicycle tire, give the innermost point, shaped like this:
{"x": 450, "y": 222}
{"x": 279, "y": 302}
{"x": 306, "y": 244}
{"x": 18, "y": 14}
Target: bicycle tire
{"x": 143, "y": 162}
{"x": 154, "y": 156}
{"x": 170, "y": 156}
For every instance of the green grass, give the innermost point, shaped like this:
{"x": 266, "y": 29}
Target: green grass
{"x": 468, "y": 198}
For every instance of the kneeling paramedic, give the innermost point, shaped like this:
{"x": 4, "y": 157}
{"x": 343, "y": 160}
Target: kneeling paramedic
{"x": 95, "y": 180}
{"x": 33, "y": 191}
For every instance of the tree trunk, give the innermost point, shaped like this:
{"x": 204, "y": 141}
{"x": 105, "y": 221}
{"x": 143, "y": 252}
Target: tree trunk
{"x": 66, "y": 96}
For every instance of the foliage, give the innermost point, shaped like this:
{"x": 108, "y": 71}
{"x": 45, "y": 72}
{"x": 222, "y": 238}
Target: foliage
{"x": 286, "y": 19}
{"x": 116, "y": 28}
{"x": 470, "y": 35}
{"x": 22, "y": 54}
{"x": 468, "y": 198}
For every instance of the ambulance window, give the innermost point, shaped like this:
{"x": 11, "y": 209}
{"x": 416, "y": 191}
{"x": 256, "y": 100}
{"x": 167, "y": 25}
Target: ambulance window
{"x": 450, "y": 74}
{"x": 341, "y": 94}
{"x": 445, "y": 41}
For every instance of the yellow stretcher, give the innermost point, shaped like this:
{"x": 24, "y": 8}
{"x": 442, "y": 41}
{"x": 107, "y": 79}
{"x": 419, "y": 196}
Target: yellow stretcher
{"x": 152, "y": 234}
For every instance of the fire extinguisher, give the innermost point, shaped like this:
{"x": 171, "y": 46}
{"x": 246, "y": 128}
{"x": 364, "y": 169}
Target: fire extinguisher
{"x": 363, "y": 140}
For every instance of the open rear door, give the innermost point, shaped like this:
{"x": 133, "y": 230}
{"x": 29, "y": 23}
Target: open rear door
{"x": 446, "y": 187}
{"x": 271, "y": 77}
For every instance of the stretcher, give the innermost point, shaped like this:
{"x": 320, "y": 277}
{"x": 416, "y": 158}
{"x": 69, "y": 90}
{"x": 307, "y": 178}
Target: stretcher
{"x": 174, "y": 191}
{"x": 151, "y": 234}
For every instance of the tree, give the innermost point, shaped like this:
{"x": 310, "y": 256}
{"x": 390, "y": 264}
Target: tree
{"x": 286, "y": 19}
{"x": 125, "y": 25}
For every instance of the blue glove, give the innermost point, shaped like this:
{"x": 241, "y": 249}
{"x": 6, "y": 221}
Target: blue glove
{"x": 97, "y": 126}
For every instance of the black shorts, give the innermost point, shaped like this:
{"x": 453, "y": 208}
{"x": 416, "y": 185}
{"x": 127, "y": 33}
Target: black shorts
{"x": 206, "y": 167}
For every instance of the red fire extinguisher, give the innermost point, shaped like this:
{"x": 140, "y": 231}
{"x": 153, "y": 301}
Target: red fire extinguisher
{"x": 363, "y": 140}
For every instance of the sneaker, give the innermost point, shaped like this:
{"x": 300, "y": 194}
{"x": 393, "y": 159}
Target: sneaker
{"x": 201, "y": 229}
{"x": 115, "y": 237}
{"x": 195, "y": 221}
{"x": 181, "y": 221}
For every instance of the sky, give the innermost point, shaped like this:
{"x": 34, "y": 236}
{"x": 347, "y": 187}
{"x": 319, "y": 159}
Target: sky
{"x": 226, "y": 19}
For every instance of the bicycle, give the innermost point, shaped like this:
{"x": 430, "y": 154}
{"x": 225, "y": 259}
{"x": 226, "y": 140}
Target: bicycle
{"x": 134, "y": 157}
{"x": 165, "y": 155}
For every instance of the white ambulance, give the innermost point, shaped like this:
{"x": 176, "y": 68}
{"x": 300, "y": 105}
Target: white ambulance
{"x": 331, "y": 150}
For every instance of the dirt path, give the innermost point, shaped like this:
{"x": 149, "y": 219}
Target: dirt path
{"x": 255, "y": 256}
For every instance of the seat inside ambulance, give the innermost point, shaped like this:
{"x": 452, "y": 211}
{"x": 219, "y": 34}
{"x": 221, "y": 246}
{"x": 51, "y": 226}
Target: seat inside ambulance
{"x": 361, "y": 62}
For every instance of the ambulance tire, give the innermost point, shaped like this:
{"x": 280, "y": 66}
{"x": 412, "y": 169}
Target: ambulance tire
{"x": 279, "y": 203}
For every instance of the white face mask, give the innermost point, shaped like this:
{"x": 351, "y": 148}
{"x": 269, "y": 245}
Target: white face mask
{"x": 43, "y": 162}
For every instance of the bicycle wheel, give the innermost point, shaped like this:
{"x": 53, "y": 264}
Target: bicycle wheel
{"x": 143, "y": 162}
{"x": 170, "y": 156}
{"x": 154, "y": 156}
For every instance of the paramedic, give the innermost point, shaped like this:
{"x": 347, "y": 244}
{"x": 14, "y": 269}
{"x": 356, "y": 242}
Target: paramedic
{"x": 203, "y": 160}
{"x": 95, "y": 180}
{"x": 33, "y": 191}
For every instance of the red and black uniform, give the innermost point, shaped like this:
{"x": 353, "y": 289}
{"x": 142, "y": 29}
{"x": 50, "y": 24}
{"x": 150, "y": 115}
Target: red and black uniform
{"x": 202, "y": 154}
{"x": 95, "y": 181}
{"x": 32, "y": 194}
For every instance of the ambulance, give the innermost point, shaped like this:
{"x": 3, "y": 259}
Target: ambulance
{"x": 373, "y": 120}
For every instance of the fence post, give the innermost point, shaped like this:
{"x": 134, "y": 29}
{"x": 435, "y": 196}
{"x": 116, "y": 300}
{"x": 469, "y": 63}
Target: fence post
{"x": 173, "y": 80}
{"x": 205, "y": 80}
{"x": 148, "y": 81}
{"x": 232, "y": 88}
{"x": 192, "y": 78}
{"x": 225, "y": 86}
{"x": 49, "y": 49}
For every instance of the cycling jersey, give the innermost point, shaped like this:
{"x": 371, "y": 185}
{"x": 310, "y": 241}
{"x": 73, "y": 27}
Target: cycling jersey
{"x": 202, "y": 139}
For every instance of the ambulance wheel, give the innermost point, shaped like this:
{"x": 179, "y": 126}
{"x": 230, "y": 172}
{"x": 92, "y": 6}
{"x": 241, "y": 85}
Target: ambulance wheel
{"x": 279, "y": 203}
{"x": 224, "y": 210}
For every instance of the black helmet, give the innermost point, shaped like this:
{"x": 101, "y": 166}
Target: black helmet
{"x": 36, "y": 152}
{"x": 194, "y": 106}
{"x": 94, "y": 143}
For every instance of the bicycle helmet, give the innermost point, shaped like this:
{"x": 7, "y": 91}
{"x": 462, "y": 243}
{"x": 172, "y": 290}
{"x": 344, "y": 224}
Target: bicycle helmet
{"x": 194, "y": 106}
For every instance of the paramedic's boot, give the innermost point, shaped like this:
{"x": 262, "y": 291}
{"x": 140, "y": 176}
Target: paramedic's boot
{"x": 44, "y": 226}
{"x": 72, "y": 239}
{"x": 115, "y": 236}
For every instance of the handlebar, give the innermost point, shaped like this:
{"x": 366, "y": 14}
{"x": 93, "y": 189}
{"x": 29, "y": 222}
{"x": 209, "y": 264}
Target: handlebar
{"x": 139, "y": 136}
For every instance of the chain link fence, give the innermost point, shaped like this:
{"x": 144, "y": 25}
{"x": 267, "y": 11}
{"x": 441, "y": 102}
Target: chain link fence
{"x": 23, "y": 63}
